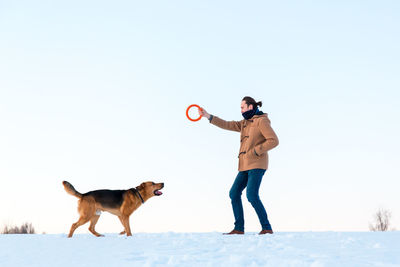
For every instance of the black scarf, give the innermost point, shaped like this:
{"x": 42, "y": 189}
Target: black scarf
{"x": 250, "y": 113}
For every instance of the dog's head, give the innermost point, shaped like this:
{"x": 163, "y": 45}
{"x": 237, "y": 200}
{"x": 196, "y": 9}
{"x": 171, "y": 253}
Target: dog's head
{"x": 150, "y": 189}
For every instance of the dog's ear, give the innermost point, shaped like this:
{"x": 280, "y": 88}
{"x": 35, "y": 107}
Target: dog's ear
{"x": 142, "y": 186}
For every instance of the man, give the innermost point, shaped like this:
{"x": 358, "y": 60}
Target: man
{"x": 256, "y": 139}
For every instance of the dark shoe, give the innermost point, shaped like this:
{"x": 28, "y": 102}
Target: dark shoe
{"x": 263, "y": 232}
{"x": 234, "y": 232}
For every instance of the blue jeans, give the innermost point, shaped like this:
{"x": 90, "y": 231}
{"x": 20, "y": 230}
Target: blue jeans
{"x": 251, "y": 179}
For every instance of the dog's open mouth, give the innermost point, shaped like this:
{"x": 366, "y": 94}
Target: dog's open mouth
{"x": 157, "y": 193}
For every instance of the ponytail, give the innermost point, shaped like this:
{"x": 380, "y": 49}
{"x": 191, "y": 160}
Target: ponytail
{"x": 250, "y": 101}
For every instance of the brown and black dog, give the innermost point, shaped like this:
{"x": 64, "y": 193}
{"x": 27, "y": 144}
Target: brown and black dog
{"x": 121, "y": 203}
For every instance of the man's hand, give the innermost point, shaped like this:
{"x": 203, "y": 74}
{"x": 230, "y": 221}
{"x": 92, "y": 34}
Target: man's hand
{"x": 204, "y": 113}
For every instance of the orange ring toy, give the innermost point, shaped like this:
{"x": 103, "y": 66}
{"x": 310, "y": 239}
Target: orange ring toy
{"x": 187, "y": 112}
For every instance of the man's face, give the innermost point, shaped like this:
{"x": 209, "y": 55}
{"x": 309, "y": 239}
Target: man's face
{"x": 244, "y": 107}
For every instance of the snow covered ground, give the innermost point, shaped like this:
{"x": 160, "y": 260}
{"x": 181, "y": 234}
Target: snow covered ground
{"x": 203, "y": 249}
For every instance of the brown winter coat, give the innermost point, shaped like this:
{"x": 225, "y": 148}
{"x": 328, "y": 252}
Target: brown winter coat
{"x": 256, "y": 138}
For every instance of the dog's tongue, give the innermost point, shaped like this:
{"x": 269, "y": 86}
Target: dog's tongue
{"x": 159, "y": 193}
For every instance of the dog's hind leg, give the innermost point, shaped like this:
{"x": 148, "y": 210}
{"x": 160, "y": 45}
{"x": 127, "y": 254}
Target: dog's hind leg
{"x": 86, "y": 209}
{"x": 81, "y": 221}
{"x": 93, "y": 222}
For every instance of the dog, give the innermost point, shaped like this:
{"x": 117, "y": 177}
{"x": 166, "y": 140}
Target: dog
{"x": 121, "y": 203}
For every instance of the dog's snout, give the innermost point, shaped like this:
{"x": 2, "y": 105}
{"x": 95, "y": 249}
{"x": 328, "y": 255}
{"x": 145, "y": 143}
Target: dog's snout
{"x": 162, "y": 185}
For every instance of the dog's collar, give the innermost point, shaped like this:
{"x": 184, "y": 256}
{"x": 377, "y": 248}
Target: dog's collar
{"x": 137, "y": 191}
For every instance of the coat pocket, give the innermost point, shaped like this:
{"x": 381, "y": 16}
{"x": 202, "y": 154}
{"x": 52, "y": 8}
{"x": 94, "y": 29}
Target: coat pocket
{"x": 251, "y": 154}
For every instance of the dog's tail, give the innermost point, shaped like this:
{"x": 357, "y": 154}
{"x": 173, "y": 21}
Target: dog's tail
{"x": 71, "y": 190}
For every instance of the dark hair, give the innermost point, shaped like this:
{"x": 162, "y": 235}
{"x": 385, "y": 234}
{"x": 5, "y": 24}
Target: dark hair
{"x": 250, "y": 101}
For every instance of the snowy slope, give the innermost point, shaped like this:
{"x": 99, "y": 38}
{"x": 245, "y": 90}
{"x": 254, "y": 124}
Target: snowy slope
{"x": 203, "y": 249}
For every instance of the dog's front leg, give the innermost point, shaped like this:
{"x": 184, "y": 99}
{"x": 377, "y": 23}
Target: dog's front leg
{"x": 125, "y": 222}
{"x": 122, "y": 222}
{"x": 127, "y": 226}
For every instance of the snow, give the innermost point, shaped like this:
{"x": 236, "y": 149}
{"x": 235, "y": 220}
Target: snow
{"x": 314, "y": 249}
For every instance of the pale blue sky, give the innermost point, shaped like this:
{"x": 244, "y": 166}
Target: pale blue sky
{"x": 95, "y": 92}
